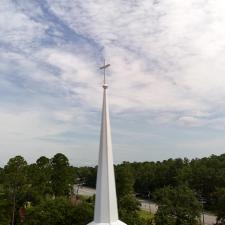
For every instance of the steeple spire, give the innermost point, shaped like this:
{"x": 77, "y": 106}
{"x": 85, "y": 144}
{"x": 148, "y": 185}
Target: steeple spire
{"x": 106, "y": 211}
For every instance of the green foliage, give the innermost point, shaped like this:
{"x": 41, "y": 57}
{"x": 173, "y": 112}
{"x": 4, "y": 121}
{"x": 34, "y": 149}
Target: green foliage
{"x": 15, "y": 174}
{"x": 87, "y": 175}
{"x": 146, "y": 217}
{"x": 21, "y": 183}
{"x": 15, "y": 186}
{"x": 145, "y": 178}
{"x": 59, "y": 211}
{"x": 136, "y": 217}
{"x": 131, "y": 218}
{"x": 129, "y": 203}
{"x": 204, "y": 176}
{"x": 151, "y": 176}
{"x": 177, "y": 206}
{"x": 129, "y": 206}
{"x": 124, "y": 179}
{"x": 83, "y": 214}
{"x": 62, "y": 175}
{"x": 207, "y": 175}
{"x": 5, "y": 208}
{"x": 39, "y": 182}
{"x": 220, "y": 206}
{"x": 39, "y": 178}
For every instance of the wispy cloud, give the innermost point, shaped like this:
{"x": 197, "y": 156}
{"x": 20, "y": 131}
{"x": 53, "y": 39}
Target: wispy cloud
{"x": 167, "y": 58}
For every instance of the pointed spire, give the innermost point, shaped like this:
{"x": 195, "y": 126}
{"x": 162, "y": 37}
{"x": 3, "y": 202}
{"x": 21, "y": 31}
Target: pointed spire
{"x": 106, "y": 211}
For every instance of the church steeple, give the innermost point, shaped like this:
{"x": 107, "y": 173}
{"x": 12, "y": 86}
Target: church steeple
{"x": 106, "y": 211}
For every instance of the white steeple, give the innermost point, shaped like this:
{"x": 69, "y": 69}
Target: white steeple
{"x": 106, "y": 212}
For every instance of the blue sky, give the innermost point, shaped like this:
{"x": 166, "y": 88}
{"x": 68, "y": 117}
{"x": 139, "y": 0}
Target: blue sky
{"x": 167, "y": 78}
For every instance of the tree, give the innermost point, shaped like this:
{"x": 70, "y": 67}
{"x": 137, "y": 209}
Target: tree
{"x": 124, "y": 180}
{"x": 128, "y": 204}
{"x": 15, "y": 183}
{"x": 82, "y": 214}
{"x": 5, "y": 208}
{"x": 45, "y": 172}
{"x": 1, "y": 175}
{"x": 62, "y": 175}
{"x": 177, "y": 206}
{"x": 144, "y": 174}
{"x": 207, "y": 175}
{"x": 39, "y": 179}
{"x": 220, "y": 206}
{"x": 59, "y": 211}
{"x": 125, "y": 188}
{"x": 87, "y": 175}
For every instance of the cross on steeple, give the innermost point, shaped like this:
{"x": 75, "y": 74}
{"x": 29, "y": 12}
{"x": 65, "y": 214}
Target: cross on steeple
{"x": 104, "y": 68}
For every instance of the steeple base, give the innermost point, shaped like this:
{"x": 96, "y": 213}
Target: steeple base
{"x": 118, "y": 222}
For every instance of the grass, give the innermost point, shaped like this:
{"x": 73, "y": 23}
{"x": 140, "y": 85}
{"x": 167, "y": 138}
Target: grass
{"x": 147, "y": 216}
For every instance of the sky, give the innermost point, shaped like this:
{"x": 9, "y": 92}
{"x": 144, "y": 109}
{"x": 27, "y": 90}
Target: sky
{"x": 166, "y": 80}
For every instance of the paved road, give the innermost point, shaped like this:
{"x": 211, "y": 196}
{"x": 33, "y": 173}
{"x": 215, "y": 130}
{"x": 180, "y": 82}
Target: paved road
{"x": 145, "y": 205}
{"x": 152, "y": 207}
{"x": 85, "y": 191}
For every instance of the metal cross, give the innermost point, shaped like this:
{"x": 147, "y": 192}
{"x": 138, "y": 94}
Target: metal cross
{"x": 104, "y": 68}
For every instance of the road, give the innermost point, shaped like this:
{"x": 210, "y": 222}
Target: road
{"x": 146, "y": 205}
{"x": 152, "y": 207}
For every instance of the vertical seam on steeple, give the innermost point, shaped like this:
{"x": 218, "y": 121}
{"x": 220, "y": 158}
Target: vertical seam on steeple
{"x": 107, "y": 133}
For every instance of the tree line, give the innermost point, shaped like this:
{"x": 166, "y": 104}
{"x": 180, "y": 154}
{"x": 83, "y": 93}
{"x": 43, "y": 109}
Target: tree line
{"x": 203, "y": 178}
{"x": 33, "y": 194}
{"x": 43, "y": 192}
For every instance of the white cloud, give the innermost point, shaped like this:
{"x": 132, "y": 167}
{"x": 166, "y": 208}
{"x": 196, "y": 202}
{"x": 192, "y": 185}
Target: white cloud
{"x": 167, "y": 61}
{"x": 167, "y": 55}
{"x": 16, "y": 29}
